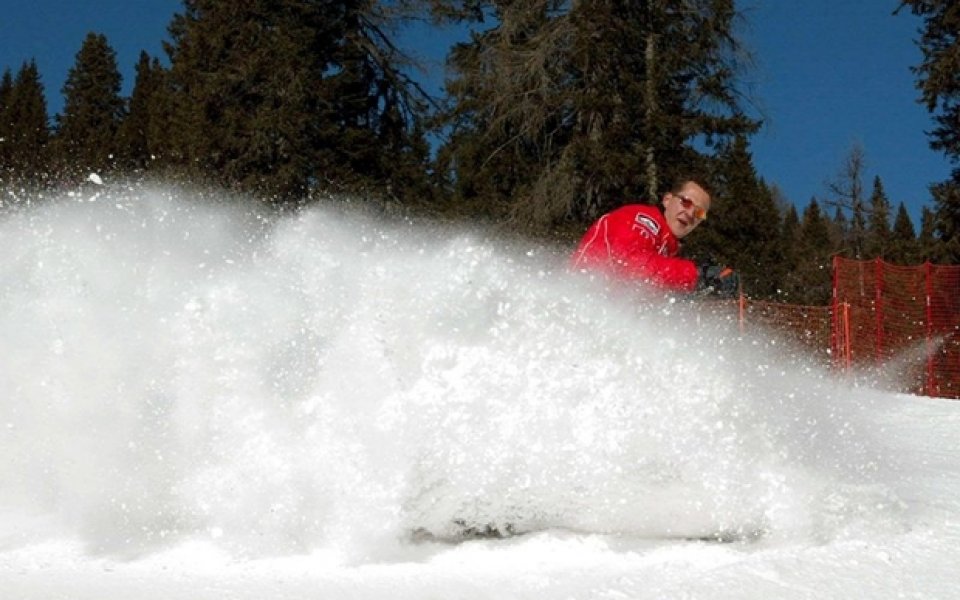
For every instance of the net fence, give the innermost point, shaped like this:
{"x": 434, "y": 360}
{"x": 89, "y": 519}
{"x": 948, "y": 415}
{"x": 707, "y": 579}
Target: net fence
{"x": 901, "y": 323}
{"x": 902, "y": 320}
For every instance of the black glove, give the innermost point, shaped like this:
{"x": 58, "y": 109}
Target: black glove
{"x": 718, "y": 281}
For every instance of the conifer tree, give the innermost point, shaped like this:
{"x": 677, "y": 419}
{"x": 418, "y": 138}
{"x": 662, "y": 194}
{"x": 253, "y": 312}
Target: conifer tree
{"x": 903, "y": 248}
{"x": 858, "y": 231}
{"x": 284, "y": 96}
{"x": 811, "y": 282}
{"x": 86, "y": 135}
{"x": 142, "y": 119}
{"x": 246, "y": 107}
{"x": 379, "y": 108}
{"x": 927, "y": 240}
{"x": 839, "y": 229}
{"x": 6, "y": 91}
{"x": 946, "y": 197}
{"x": 28, "y": 129}
{"x": 938, "y": 79}
{"x": 790, "y": 239}
{"x": 161, "y": 133}
{"x": 565, "y": 109}
{"x": 6, "y": 88}
{"x": 878, "y": 227}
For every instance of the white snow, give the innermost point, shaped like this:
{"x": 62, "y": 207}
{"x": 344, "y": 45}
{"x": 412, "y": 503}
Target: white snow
{"x": 199, "y": 400}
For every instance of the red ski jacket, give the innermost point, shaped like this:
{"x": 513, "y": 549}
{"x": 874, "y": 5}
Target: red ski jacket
{"x": 634, "y": 242}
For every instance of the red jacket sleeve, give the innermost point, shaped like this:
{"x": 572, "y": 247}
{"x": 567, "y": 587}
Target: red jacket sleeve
{"x": 630, "y": 243}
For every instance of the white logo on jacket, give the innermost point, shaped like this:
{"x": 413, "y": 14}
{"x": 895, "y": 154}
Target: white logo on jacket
{"x": 648, "y": 228}
{"x": 648, "y": 223}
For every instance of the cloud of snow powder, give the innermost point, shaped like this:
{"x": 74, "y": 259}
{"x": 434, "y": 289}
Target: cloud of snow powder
{"x": 178, "y": 367}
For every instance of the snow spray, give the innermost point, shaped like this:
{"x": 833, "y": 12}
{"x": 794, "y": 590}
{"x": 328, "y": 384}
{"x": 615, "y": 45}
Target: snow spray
{"x": 180, "y": 367}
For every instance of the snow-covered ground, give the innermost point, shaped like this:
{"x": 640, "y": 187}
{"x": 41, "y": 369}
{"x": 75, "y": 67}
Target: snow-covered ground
{"x": 202, "y": 401}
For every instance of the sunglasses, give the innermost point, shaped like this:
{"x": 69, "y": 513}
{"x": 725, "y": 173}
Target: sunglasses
{"x": 699, "y": 213}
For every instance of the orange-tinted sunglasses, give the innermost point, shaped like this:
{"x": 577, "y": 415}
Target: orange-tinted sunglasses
{"x": 699, "y": 213}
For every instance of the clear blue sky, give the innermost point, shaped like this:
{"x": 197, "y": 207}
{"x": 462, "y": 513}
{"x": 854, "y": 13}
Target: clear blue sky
{"x": 827, "y": 74}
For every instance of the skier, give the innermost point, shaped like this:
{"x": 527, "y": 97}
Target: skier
{"x": 638, "y": 242}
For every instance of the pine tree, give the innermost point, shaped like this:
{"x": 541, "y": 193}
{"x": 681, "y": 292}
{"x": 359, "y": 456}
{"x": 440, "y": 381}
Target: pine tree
{"x": 86, "y": 136}
{"x": 811, "y": 282}
{"x": 903, "y": 247}
{"x": 790, "y": 239}
{"x": 160, "y": 104}
{"x": 141, "y": 121}
{"x": 939, "y": 71}
{"x": 839, "y": 229}
{"x": 6, "y": 92}
{"x": 28, "y": 127}
{"x": 284, "y": 97}
{"x": 878, "y": 227}
{"x": 927, "y": 240}
{"x": 938, "y": 79}
{"x": 246, "y": 104}
{"x": 565, "y": 109}
{"x": 946, "y": 197}
{"x": 379, "y": 106}
{"x": 6, "y": 88}
{"x": 504, "y": 96}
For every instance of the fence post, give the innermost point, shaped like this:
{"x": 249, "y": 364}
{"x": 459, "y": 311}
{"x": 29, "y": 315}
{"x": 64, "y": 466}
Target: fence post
{"x": 840, "y": 332}
{"x": 743, "y": 306}
{"x": 878, "y": 309}
{"x": 848, "y": 346}
{"x": 835, "y": 314}
{"x": 928, "y": 317}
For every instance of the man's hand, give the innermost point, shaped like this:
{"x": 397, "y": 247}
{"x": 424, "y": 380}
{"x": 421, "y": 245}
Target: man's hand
{"x": 718, "y": 281}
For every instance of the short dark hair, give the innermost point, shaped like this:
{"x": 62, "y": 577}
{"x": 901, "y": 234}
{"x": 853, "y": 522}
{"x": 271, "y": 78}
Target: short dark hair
{"x": 679, "y": 182}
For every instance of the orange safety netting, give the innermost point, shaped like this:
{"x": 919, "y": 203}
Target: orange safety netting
{"x": 809, "y": 326}
{"x": 901, "y": 320}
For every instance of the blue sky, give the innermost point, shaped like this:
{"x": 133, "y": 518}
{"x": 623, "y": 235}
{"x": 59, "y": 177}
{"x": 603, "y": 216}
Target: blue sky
{"x": 828, "y": 74}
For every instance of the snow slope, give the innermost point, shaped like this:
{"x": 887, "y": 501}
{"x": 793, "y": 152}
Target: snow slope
{"x": 203, "y": 400}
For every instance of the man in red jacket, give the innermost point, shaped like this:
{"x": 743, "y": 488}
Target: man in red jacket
{"x": 638, "y": 242}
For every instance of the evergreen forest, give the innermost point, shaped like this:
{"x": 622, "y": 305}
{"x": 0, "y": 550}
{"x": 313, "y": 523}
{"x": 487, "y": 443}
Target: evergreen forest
{"x": 553, "y": 112}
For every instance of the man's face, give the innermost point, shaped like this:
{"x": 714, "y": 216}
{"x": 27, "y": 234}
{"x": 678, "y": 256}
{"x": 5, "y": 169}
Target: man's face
{"x": 685, "y": 209}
